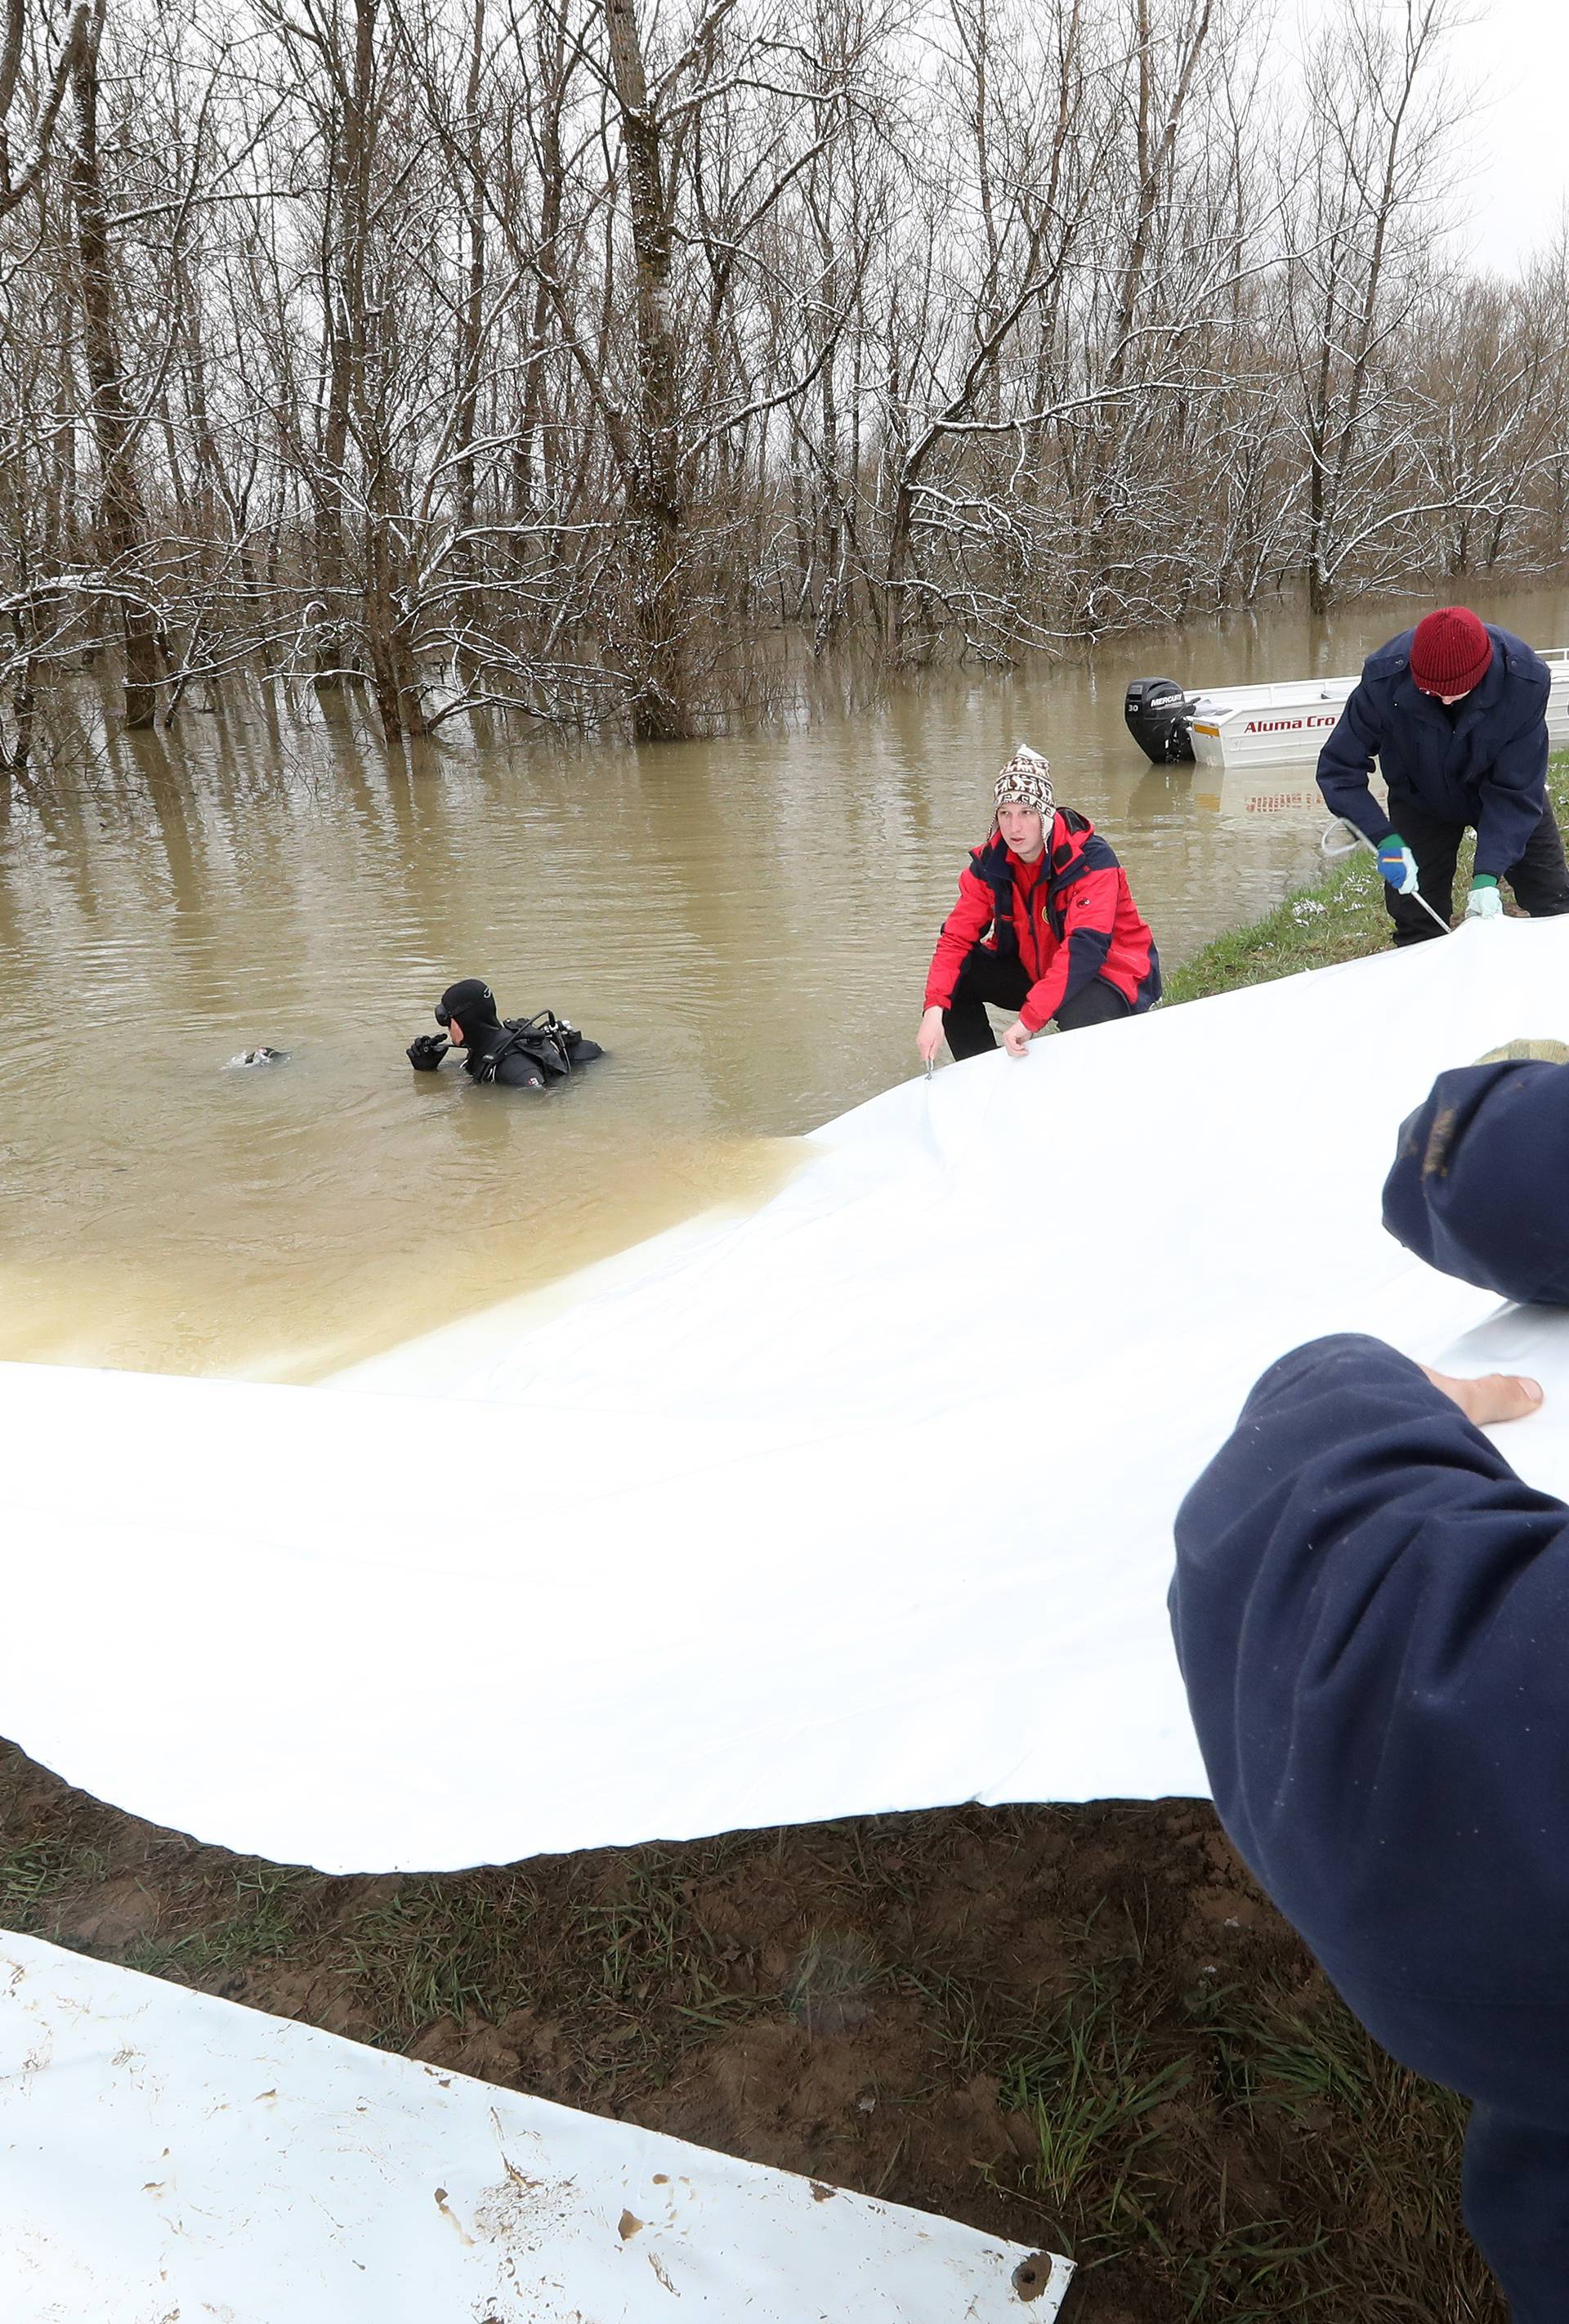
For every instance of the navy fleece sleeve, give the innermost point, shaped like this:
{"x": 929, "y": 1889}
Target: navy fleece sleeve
{"x": 1480, "y": 1187}
{"x": 1372, "y": 1615}
{"x": 1514, "y": 792}
{"x": 1344, "y": 763}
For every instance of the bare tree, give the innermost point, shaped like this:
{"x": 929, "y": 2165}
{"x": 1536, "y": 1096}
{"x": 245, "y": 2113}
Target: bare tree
{"x": 126, "y": 560}
{"x": 1379, "y": 123}
{"x": 30, "y": 99}
{"x": 548, "y": 358}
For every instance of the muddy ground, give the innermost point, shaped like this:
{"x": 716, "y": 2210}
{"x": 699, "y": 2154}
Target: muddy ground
{"x": 1080, "y": 2027}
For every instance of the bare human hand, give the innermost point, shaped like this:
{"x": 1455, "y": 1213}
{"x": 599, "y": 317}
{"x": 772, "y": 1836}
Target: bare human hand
{"x": 929, "y": 1038}
{"x": 1016, "y": 1040}
{"x": 1496, "y": 1396}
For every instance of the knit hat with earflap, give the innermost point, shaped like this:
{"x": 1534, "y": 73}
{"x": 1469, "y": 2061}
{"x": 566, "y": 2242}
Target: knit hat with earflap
{"x": 1026, "y": 781}
{"x": 1451, "y": 651}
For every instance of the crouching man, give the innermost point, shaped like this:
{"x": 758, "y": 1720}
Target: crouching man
{"x": 1045, "y": 924}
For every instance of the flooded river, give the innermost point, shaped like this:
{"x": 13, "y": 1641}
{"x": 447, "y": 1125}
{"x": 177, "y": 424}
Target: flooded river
{"x": 744, "y": 924}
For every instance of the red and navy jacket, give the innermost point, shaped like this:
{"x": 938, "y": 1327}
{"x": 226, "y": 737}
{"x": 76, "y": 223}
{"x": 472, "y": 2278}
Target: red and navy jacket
{"x": 1077, "y": 921}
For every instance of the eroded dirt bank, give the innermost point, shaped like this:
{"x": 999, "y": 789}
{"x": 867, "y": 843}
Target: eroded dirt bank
{"x": 1075, "y": 2026}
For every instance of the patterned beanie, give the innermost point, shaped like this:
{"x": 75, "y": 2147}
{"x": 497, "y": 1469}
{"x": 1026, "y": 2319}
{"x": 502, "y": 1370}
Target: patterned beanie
{"x": 1026, "y": 781}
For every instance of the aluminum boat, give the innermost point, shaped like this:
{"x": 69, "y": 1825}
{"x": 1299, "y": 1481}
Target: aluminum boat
{"x": 1256, "y": 727}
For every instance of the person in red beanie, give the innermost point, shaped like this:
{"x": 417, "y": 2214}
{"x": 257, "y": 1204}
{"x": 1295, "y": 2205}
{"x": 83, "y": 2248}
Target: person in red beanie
{"x": 1456, "y": 712}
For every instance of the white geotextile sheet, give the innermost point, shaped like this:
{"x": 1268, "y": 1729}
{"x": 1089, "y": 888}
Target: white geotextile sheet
{"x": 163, "y": 2155}
{"x": 862, "y": 1502}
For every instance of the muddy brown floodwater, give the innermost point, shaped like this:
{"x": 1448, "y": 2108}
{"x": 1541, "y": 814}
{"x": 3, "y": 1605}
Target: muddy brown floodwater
{"x": 744, "y": 924}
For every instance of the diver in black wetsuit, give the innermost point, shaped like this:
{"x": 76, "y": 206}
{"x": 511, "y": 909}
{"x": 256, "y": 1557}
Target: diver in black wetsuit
{"x": 517, "y": 1052}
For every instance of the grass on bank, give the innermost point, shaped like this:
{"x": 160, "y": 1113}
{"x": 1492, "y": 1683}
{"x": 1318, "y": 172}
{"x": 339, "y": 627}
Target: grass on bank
{"x": 1077, "y": 2028}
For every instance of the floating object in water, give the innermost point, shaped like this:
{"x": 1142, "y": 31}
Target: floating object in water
{"x": 1272, "y": 725}
{"x": 262, "y": 1056}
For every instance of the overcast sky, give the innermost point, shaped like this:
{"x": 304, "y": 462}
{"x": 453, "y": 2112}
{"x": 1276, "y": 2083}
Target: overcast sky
{"x": 1513, "y": 58}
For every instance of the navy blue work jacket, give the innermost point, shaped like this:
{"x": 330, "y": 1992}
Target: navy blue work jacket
{"x": 1479, "y": 1187}
{"x": 1372, "y": 1615}
{"x": 1489, "y": 770}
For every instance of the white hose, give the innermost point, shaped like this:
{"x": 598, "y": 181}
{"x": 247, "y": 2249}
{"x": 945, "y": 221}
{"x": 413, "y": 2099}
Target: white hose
{"x": 1360, "y": 839}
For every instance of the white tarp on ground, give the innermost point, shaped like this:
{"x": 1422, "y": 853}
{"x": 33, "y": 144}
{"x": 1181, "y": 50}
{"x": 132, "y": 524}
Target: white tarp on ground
{"x": 863, "y": 1502}
{"x": 163, "y": 2155}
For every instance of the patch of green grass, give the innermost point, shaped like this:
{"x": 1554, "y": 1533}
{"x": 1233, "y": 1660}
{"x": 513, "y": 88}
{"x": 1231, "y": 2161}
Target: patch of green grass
{"x": 609, "y": 1951}
{"x": 1252, "y": 2271}
{"x": 832, "y": 1981}
{"x": 435, "y": 1949}
{"x": 1341, "y": 916}
{"x": 1090, "y": 2081}
{"x": 259, "y": 1925}
{"x": 262, "y": 1927}
{"x": 648, "y": 1967}
{"x": 960, "y": 2016}
{"x": 1321, "y": 2176}
{"x": 1381, "y": 2146}
{"x": 27, "y": 1876}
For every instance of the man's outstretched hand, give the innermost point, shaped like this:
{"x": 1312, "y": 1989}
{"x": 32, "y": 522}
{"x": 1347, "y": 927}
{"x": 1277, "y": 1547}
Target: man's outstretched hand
{"x": 1496, "y": 1396}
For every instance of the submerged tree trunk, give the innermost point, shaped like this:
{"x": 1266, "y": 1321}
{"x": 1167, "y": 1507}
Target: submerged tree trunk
{"x": 122, "y": 514}
{"x": 471, "y": 331}
{"x": 331, "y": 644}
{"x": 372, "y": 325}
{"x": 654, "y": 492}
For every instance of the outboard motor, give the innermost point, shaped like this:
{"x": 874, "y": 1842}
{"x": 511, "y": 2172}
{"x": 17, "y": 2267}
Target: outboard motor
{"x": 1157, "y": 712}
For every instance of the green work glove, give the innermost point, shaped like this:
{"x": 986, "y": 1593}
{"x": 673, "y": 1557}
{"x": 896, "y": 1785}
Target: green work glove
{"x": 1484, "y": 902}
{"x": 1397, "y": 864}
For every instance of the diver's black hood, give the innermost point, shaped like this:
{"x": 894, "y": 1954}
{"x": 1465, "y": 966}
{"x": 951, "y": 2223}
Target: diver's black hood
{"x": 471, "y": 1001}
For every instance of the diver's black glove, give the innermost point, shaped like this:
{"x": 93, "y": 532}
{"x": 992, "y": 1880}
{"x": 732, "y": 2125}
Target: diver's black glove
{"x": 426, "y": 1050}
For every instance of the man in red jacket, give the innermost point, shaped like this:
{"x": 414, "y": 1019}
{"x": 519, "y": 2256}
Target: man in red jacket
{"x": 1045, "y": 924}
